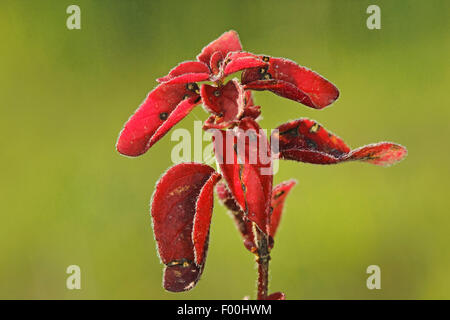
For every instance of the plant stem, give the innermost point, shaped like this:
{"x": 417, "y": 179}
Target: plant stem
{"x": 262, "y": 258}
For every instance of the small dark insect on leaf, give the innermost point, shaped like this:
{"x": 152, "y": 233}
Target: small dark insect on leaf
{"x": 163, "y": 115}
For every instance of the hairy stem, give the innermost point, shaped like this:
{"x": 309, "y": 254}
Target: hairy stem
{"x": 262, "y": 258}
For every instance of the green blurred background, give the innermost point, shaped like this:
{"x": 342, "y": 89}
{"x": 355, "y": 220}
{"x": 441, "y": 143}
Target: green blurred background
{"x": 67, "y": 197}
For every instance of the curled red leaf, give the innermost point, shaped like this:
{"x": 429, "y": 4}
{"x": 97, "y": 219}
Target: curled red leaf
{"x": 226, "y": 102}
{"x": 188, "y": 70}
{"x": 227, "y": 42}
{"x": 279, "y": 195}
{"x": 246, "y": 164}
{"x": 156, "y": 115}
{"x": 249, "y": 111}
{"x": 287, "y": 79}
{"x": 202, "y": 220}
{"x": 174, "y": 207}
{"x": 176, "y": 116}
{"x": 188, "y": 77}
{"x": 306, "y": 140}
{"x": 237, "y": 61}
{"x": 215, "y": 63}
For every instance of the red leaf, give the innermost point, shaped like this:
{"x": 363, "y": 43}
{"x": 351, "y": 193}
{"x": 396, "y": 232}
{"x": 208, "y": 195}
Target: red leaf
{"x": 173, "y": 209}
{"x": 243, "y": 225}
{"x": 237, "y": 61}
{"x": 227, "y": 42}
{"x": 307, "y": 141}
{"x": 306, "y": 134}
{"x": 252, "y": 112}
{"x": 289, "y": 80}
{"x": 215, "y": 62}
{"x": 176, "y": 116}
{"x": 202, "y": 220}
{"x": 249, "y": 177}
{"x": 153, "y": 113}
{"x": 249, "y": 102}
{"x": 188, "y": 77}
{"x": 226, "y": 101}
{"x": 281, "y": 88}
{"x": 279, "y": 195}
{"x": 380, "y": 154}
{"x": 186, "y": 68}
{"x": 181, "y": 276}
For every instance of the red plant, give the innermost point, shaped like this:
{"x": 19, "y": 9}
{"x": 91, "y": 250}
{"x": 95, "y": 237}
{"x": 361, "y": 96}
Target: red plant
{"x": 182, "y": 204}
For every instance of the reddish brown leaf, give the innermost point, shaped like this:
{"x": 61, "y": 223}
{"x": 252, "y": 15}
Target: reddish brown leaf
{"x": 181, "y": 276}
{"x": 289, "y": 80}
{"x": 279, "y": 195}
{"x": 307, "y": 141}
{"x": 173, "y": 209}
{"x": 152, "y": 114}
{"x": 281, "y": 88}
{"x": 252, "y": 112}
{"x": 306, "y": 134}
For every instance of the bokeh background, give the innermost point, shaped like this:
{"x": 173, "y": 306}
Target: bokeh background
{"x": 67, "y": 197}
